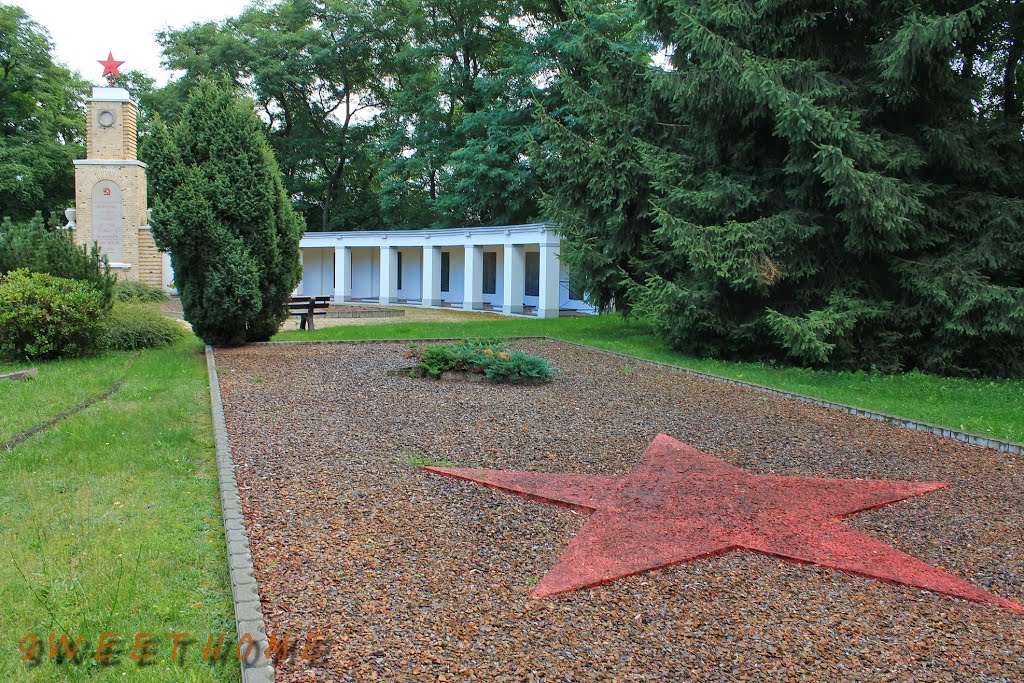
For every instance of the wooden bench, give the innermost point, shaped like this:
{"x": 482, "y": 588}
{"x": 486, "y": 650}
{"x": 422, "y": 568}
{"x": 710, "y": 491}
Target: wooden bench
{"x": 306, "y": 307}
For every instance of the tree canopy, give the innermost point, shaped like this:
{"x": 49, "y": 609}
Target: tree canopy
{"x": 42, "y": 120}
{"x": 387, "y": 113}
{"x": 828, "y": 184}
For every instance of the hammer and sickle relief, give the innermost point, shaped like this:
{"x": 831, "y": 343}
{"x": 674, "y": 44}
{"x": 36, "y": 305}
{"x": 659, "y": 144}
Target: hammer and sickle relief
{"x": 106, "y": 191}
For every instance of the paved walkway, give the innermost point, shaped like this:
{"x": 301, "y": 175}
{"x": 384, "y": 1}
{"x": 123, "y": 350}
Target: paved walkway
{"x": 408, "y": 314}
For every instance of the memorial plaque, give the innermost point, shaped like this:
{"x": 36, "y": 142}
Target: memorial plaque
{"x": 107, "y": 214}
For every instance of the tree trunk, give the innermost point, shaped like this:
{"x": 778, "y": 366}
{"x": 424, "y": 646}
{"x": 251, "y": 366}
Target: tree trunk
{"x": 1011, "y": 102}
{"x": 325, "y": 214}
{"x": 557, "y": 10}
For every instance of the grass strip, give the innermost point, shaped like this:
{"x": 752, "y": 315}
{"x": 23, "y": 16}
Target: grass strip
{"x": 59, "y": 386}
{"x": 64, "y": 414}
{"x": 110, "y": 524}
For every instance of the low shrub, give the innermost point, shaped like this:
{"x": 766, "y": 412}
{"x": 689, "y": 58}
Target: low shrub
{"x": 515, "y": 366}
{"x": 437, "y": 359}
{"x": 43, "y": 317}
{"x": 493, "y": 359}
{"x": 133, "y": 291}
{"x": 140, "y": 326}
{"x": 41, "y": 249}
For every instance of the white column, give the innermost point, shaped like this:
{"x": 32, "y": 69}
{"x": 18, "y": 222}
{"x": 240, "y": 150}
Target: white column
{"x": 514, "y": 279}
{"x": 431, "y": 294}
{"x": 473, "y": 279}
{"x": 168, "y": 271}
{"x": 342, "y": 273}
{"x": 388, "y": 275}
{"x": 300, "y": 289}
{"x": 547, "y": 304}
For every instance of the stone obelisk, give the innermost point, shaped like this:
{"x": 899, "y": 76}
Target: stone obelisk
{"x": 110, "y": 190}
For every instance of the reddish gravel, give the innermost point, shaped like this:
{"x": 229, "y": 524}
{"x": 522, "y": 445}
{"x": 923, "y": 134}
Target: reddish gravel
{"x": 423, "y": 578}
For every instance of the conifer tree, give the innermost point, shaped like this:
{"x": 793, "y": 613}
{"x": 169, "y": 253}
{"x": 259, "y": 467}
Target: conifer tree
{"x": 834, "y": 183}
{"x": 589, "y": 157}
{"x": 222, "y": 212}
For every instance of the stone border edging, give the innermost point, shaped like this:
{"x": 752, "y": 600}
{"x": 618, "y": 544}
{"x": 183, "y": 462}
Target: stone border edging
{"x": 21, "y": 374}
{"x": 250, "y": 627}
{"x": 1000, "y": 445}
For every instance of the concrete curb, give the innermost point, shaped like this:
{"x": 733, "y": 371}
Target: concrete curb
{"x": 967, "y": 437}
{"x": 249, "y": 622}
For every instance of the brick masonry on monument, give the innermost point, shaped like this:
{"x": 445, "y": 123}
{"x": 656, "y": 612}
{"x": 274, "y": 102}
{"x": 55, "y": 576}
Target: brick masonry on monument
{"x": 110, "y": 192}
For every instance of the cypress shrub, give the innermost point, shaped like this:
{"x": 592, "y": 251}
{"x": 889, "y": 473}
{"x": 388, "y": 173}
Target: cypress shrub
{"x": 222, "y": 212}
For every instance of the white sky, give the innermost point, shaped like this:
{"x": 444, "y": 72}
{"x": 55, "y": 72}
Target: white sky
{"x": 83, "y": 31}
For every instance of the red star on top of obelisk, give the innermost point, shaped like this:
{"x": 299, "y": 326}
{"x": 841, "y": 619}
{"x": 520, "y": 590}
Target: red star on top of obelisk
{"x": 110, "y": 67}
{"x": 681, "y": 504}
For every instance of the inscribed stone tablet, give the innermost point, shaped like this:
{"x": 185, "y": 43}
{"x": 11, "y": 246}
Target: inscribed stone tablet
{"x": 107, "y": 212}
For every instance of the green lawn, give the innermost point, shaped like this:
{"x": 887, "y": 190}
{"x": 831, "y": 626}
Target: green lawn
{"x": 991, "y": 408}
{"x": 110, "y": 521}
{"x": 59, "y": 386}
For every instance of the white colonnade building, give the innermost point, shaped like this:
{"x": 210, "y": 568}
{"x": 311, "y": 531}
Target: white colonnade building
{"x": 513, "y": 269}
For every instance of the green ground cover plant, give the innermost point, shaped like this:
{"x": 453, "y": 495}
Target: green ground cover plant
{"x": 982, "y": 406}
{"x": 133, "y": 291}
{"x": 110, "y": 521}
{"x": 416, "y": 460}
{"x": 489, "y": 357}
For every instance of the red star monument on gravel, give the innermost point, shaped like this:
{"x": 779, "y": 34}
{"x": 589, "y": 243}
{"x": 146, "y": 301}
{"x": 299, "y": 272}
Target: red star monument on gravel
{"x": 110, "y": 67}
{"x": 681, "y": 504}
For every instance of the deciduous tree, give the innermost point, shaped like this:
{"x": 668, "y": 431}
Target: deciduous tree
{"x": 42, "y": 120}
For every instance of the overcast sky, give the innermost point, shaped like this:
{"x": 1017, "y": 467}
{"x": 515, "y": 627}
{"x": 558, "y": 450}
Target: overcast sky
{"x": 83, "y": 31}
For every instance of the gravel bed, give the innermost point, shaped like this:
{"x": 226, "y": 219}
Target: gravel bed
{"x": 417, "y": 577}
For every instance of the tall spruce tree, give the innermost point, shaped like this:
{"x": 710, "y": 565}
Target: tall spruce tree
{"x": 589, "y": 156}
{"x": 834, "y": 183}
{"x": 222, "y": 212}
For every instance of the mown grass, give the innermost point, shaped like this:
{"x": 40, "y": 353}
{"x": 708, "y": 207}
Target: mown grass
{"x": 110, "y": 521}
{"x": 981, "y": 406}
{"x": 59, "y": 386}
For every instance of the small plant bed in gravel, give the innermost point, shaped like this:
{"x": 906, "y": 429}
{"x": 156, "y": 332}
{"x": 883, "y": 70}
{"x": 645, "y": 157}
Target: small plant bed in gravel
{"x": 479, "y": 360}
{"x": 420, "y": 577}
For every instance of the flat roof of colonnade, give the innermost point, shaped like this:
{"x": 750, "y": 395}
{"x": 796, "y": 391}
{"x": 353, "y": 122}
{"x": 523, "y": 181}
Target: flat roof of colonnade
{"x": 540, "y": 232}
